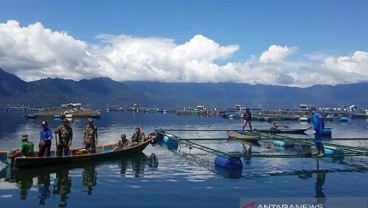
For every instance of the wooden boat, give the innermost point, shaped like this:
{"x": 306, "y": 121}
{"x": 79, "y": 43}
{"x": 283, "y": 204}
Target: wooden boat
{"x": 244, "y": 138}
{"x": 283, "y": 131}
{"x": 77, "y": 155}
{"x": 241, "y": 135}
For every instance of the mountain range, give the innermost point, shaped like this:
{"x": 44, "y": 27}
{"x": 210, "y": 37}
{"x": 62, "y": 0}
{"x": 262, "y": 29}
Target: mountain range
{"x": 105, "y": 91}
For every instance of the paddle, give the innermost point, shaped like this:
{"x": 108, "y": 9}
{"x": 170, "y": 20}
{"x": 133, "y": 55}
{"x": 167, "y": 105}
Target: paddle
{"x": 56, "y": 141}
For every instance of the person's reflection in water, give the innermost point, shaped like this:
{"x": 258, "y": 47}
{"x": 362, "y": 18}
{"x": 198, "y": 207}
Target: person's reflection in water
{"x": 123, "y": 167}
{"x": 138, "y": 166}
{"x": 25, "y": 184}
{"x": 43, "y": 188}
{"x": 153, "y": 161}
{"x": 62, "y": 186}
{"x": 89, "y": 175}
{"x": 23, "y": 181}
{"x": 320, "y": 181}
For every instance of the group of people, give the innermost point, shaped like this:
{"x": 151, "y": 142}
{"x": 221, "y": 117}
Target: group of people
{"x": 64, "y": 138}
{"x": 137, "y": 137}
{"x": 318, "y": 126}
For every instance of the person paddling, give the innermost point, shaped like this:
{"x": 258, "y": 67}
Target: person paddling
{"x": 26, "y": 148}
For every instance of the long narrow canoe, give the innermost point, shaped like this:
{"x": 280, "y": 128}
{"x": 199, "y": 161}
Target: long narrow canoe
{"x": 244, "y": 137}
{"x": 102, "y": 152}
{"x": 283, "y": 131}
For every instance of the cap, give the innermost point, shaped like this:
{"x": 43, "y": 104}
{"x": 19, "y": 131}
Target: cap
{"x": 90, "y": 119}
{"x": 313, "y": 108}
{"x": 44, "y": 123}
{"x": 24, "y": 136}
{"x": 122, "y": 135}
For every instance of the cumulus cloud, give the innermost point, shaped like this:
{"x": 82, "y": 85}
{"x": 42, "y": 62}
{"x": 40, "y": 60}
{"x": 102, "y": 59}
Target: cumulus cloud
{"x": 276, "y": 53}
{"x": 34, "y": 52}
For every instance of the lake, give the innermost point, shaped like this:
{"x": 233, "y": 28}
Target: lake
{"x": 167, "y": 176}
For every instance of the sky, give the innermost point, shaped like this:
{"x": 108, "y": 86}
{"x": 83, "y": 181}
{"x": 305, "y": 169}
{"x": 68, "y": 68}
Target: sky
{"x": 274, "y": 42}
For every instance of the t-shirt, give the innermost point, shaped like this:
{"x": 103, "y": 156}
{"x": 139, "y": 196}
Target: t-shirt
{"x": 27, "y": 148}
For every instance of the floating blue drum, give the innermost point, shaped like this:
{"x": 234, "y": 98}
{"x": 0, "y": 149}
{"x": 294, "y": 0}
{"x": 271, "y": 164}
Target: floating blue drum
{"x": 229, "y": 163}
{"x": 333, "y": 151}
{"x": 170, "y": 140}
{"x": 326, "y": 132}
{"x": 283, "y": 143}
{"x": 171, "y": 146}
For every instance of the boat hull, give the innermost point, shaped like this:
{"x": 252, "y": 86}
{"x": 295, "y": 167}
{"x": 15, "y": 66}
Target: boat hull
{"x": 103, "y": 152}
{"x": 244, "y": 138}
{"x": 283, "y": 131}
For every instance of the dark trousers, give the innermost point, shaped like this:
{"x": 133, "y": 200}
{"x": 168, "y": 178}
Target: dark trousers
{"x": 44, "y": 149}
{"x": 62, "y": 148}
{"x": 90, "y": 147}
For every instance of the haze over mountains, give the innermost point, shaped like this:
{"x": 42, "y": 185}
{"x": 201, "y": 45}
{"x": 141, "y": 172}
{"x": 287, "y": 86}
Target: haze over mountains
{"x": 103, "y": 91}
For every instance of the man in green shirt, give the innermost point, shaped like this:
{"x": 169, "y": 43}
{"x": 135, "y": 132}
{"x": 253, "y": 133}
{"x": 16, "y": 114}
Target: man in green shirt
{"x": 26, "y": 148}
{"x": 138, "y": 137}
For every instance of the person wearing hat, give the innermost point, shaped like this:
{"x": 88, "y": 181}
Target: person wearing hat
{"x": 318, "y": 126}
{"x": 65, "y": 137}
{"x": 45, "y": 141}
{"x": 122, "y": 143}
{"x": 26, "y": 148}
{"x": 90, "y": 139}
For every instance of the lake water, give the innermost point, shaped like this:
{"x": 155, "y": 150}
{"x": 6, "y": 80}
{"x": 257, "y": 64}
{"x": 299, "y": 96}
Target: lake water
{"x": 165, "y": 176}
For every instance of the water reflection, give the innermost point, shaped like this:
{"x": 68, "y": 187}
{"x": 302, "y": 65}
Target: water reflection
{"x": 59, "y": 178}
{"x": 62, "y": 186}
{"x": 89, "y": 176}
{"x": 320, "y": 182}
{"x": 43, "y": 182}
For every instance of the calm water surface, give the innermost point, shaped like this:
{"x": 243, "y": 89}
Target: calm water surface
{"x": 165, "y": 176}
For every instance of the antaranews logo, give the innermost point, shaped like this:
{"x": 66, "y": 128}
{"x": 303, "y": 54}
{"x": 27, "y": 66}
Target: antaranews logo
{"x": 284, "y": 202}
{"x": 250, "y": 205}
{"x": 254, "y": 205}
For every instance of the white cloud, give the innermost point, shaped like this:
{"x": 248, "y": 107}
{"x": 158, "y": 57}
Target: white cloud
{"x": 276, "y": 54}
{"x": 34, "y": 52}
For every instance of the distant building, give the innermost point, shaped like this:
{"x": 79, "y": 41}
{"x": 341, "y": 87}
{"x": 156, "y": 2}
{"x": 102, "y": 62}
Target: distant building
{"x": 303, "y": 106}
{"x": 71, "y": 105}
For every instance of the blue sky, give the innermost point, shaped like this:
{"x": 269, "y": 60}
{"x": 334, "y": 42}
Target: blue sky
{"x": 277, "y": 42}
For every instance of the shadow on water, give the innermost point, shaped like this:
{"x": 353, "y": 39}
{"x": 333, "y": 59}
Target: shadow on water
{"x": 57, "y": 180}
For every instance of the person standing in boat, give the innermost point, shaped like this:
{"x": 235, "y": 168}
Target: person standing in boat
{"x": 65, "y": 137}
{"x": 45, "y": 140}
{"x": 26, "y": 148}
{"x": 318, "y": 126}
{"x": 90, "y": 139}
{"x": 247, "y": 119}
{"x": 138, "y": 136}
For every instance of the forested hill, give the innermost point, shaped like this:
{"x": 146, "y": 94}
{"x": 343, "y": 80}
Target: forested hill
{"x": 101, "y": 91}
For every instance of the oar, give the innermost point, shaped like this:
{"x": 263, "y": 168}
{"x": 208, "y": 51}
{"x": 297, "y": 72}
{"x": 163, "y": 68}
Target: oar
{"x": 56, "y": 141}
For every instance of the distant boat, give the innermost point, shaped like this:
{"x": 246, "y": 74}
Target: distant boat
{"x": 344, "y": 119}
{"x": 303, "y": 119}
{"x": 283, "y": 131}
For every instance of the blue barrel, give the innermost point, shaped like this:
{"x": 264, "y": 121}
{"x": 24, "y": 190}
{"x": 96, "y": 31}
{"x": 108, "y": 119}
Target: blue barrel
{"x": 326, "y": 132}
{"x": 333, "y": 151}
{"x": 170, "y": 140}
{"x": 283, "y": 143}
{"x": 229, "y": 173}
{"x": 171, "y": 146}
{"x": 229, "y": 163}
